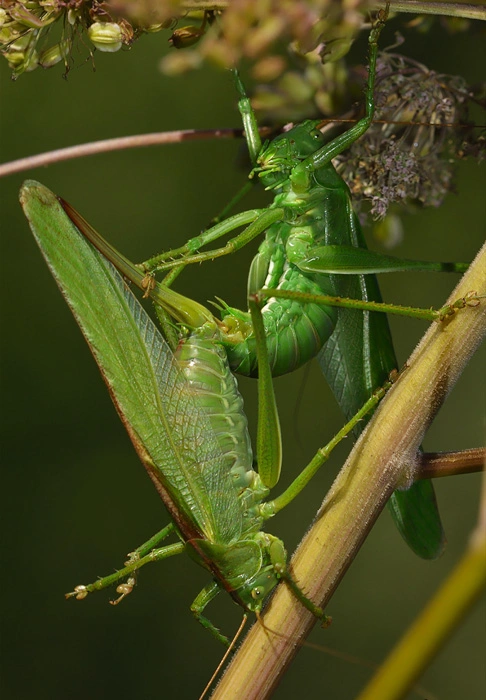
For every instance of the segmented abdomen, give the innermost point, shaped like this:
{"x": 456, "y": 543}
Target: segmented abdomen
{"x": 295, "y": 331}
{"x": 204, "y": 363}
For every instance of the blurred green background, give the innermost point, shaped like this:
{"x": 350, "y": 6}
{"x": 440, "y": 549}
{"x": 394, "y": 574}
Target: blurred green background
{"x": 76, "y": 499}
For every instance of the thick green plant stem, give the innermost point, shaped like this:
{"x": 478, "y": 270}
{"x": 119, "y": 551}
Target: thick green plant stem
{"x": 432, "y": 628}
{"x": 373, "y": 470}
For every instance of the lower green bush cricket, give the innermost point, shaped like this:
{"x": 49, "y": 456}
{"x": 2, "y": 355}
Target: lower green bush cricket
{"x": 184, "y": 417}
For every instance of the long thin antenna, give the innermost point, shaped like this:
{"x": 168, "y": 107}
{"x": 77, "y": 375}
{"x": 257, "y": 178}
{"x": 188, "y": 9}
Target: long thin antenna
{"x": 227, "y": 653}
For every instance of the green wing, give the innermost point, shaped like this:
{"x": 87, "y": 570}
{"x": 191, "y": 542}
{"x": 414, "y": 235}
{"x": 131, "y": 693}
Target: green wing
{"x": 356, "y": 360}
{"x": 417, "y": 518}
{"x": 170, "y": 432}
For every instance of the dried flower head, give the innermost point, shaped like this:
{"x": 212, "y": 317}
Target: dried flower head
{"x": 409, "y": 157}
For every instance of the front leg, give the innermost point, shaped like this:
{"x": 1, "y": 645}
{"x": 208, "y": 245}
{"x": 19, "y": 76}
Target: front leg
{"x": 301, "y": 173}
{"x": 202, "y": 599}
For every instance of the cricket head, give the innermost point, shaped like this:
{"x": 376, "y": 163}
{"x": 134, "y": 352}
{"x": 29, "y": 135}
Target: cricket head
{"x": 277, "y": 158}
{"x": 254, "y": 592}
{"x": 272, "y": 557}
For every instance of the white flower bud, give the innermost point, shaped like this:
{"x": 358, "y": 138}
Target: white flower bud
{"x": 106, "y": 36}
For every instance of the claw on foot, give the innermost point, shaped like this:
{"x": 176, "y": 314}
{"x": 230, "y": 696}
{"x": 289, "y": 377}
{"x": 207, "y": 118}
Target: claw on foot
{"x": 471, "y": 299}
{"x": 148, "y": 284}
{"x": 80, "y": 592}
{"x": 124, "y": 589}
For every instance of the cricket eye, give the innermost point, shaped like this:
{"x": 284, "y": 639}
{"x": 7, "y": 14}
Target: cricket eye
{"x": 257, "y": 592}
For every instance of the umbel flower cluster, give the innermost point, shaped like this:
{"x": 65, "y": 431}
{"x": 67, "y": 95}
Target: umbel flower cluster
{"x": 294, "y": 51}
{"x": 43, "y": 33}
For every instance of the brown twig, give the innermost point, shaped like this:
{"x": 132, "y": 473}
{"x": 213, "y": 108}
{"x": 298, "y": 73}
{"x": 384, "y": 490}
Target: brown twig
{"x": 116, "y": 144}
{"x": 438, "y": 464}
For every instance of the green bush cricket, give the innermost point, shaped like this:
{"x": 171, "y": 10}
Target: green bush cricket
{"x": 184, "y": 417}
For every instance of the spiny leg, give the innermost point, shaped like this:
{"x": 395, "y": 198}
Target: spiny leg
{"x": 141, "y": 556}
{"x": 221, "y": 225}
{"x": 254, "y": 143}
{"x": 471, "y": 299}
{"x": 297, "y": 592}
{"x": 202, "y": 599}
{"x": 278, "y": 559}
{"x": 150, "y": 544}
{"x": 270, "y": 508}
{"x": 250, "y": 125}
{"x": 148, "y": 553}
{"x": 266, "y": 218}
{"x": 300, "y": 174}
{"x": 194, "y": 244}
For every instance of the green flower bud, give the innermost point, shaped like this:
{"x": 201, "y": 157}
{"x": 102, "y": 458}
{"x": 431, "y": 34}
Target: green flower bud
{"x": 20, "y": 58}
{"x": 73, "y": 16}
{"x": 389, "y": 231}
{"x": 106, "y": 36}
{"x": 153, "y": 28}
{"x": 10, "y": 32}
{"x": 49, "y": 57}
{"x": 24, "y": 17}
{"x": 15, "y": 58}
